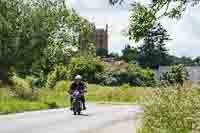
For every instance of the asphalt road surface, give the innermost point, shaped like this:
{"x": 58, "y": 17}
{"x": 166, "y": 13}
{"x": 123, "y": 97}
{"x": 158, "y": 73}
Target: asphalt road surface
{"x": 98, "y": 118}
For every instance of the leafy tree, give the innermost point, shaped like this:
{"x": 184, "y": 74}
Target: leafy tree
{"x": 102, "y": 52}
{"x": 113, "y": 55}
{"x": 34, "y": 35}
{"x": 186, "y": 60}
{"x": 182, "y": 60}
{"x": 87, "y": 66}
{"x": 129, "y": 54}
{"x": 16, "y": 37}
{"x": 197, "y": 60}
{"x": 153, "y": 52}
{"x": 143, "y": 17}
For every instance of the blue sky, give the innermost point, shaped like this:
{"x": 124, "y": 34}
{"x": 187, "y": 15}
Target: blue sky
{"x": 185, "y": 33}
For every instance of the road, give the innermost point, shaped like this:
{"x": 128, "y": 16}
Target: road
{"x": 97, "y": 119}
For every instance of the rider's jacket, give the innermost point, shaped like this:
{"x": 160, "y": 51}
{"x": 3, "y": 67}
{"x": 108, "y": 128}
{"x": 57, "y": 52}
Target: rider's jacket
{"x": 80, "y": 87}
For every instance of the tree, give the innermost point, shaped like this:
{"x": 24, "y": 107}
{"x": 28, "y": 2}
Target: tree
{"x": 143, "y": 17}
{"x": 16, "y": 38}
{"x": 186, "y": 61}
{"x": 102, "y": 52}
{"x": 153, "y": 52}
{"x": 34, "y": 35}
{"x": 129, "y": 54}
{"x": 87, "y": 66}
{"x": 113, "y": 2}
{"x": 114, "y": 55}
{"x": 197, "y": 61}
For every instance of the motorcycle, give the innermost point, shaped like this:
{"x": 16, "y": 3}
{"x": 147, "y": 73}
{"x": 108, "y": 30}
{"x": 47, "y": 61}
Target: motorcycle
{"x": 77, "y": 103}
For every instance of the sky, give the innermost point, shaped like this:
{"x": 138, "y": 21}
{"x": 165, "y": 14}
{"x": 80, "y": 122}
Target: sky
{"x": 185, "y": 32}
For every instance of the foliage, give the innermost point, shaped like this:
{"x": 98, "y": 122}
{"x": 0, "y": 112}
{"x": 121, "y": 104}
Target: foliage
{"x": 129, "y": 54}
{"x": 21, "y": 88}
{"x": 60, "y": 73}
{"x": 144, "y": 77}
{"x": 131, "y": 74}
{"x": 114, "y": 55}
{"x": 87, "y": 66}
{"x": 144, "y": 16}
{"x": 176, "y": 74}
{"x": 34, "y": 30}
{"x": 153, "y": 52}
{"x": 102, "y": 52}
{"x": 114, "y": 2}
{"x": 171, "y": 111}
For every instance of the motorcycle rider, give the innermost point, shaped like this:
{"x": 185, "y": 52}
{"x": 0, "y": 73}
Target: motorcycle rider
{"x": 79, "y": 85}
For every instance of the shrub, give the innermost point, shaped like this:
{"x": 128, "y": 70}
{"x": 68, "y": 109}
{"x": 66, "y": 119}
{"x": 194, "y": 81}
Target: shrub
{"x": 60, "y": 73}
{"x": 176, "y": 75}
{"x": 133, "y": 75}
{"x": 140, "y": 76}
{"x": 85, "y": 66}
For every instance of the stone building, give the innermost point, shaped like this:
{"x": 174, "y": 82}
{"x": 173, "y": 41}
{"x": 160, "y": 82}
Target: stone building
{"x": 99, "y": 38}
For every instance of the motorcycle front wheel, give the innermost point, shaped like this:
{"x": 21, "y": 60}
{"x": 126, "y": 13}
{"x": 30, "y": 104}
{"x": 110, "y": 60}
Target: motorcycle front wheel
{"x": 75, "y": 113}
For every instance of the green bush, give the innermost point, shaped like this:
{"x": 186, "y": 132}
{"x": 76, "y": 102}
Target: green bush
{"x": 171, "y": 111}
{"x": 60, "y": 73}
{"x": 176, "y": 75}
{"x": 140, "y": 76}
{"x": 85, "y": 66}
{"x": 133, "y": 75}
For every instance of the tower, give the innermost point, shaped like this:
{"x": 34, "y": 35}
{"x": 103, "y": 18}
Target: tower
{"x": 99, "y": 37}
{"x": 102, "y": 38}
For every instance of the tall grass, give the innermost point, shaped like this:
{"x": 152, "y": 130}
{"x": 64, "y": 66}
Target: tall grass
{"x": 11, "y": 104}
{"x": 123, "y": 93}
{"x": 18, "y": 99}
{"x": 171, "y": 110}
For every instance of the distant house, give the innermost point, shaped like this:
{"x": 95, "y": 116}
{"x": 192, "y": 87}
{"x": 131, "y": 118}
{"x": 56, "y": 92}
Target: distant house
{"x": 194, "y": 72}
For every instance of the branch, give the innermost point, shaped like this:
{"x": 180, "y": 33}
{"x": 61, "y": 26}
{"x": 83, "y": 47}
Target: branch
{"x": 165, "y": 13}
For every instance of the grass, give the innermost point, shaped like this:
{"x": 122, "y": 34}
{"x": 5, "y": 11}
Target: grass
{"x": 123, "y": 93}
{"x": 11, "y": 104}
{"x": 171, "y": 110}
{"x": 43, "y": 98}
{"x": 18, "y": 100}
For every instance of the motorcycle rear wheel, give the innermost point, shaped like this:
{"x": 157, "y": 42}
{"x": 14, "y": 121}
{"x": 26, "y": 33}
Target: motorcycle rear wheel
{"x": 79, "y": 113}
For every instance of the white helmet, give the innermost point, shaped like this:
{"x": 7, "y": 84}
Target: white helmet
{"x": 78, "y": 77}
